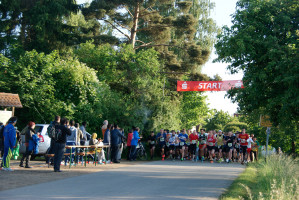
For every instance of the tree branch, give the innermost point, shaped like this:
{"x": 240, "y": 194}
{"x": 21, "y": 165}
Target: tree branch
{"x": 122, "y": 26}
{"x": 157, "y": 45}
{"x": 147, "y": 28}
{"x": 129, "y": 11}
{"x": 117, "y": 29}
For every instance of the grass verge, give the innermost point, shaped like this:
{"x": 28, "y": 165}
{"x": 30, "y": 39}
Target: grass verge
{"x": 276, "y": 179}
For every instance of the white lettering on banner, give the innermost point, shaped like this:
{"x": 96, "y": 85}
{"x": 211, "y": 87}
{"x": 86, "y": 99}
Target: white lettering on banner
{"x": 208, "y": 86}
{"x": 184, "y": 85}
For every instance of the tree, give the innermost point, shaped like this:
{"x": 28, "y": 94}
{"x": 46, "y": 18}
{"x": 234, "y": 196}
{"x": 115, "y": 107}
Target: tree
{"x": 50, "y": 85}
{"x": 194, "y": 109}
{"x": 263, "y": 42}
{"x": 170, "y": 26}
{"x": 218, "y": 120}
{"x": 35, "y": 24}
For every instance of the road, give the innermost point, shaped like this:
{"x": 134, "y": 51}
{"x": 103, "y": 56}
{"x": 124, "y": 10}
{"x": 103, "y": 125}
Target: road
{"x": 152, "y": 180}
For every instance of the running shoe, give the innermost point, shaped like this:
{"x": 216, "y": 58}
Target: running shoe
{"x": 182, "y": 159}
{"x": 9, "y": 169}
{"x": 4, "y": 169}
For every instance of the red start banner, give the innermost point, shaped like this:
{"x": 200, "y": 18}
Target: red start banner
{"x": 208, "y": 85}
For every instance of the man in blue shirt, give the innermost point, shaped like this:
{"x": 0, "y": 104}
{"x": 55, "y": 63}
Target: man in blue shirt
{"x": 134, "y": 143}
{"x": 9, "y": 142}
{"x": 116, "y": 136}
{"x": 183, "y": 136}
{"x": 161, "y": 137}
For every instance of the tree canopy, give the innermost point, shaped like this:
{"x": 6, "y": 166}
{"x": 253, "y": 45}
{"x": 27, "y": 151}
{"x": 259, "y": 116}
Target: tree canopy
{"x": 263, "y": 42}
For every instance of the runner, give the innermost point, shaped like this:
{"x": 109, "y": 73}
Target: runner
{"x": 236, "y": 150}
{"x": 183, "y": 136}
{"x": 250, "y": 141}
{"x": 211, "y": 140}
{"x": 193, "y": 138}
{"x": 229, "y": 146}
{"x": 202, "y": 144}
{"x": 172, "y": 140}
{"x": 152, "y": 142}
{"x": 243, "y": 145}
{"x": 161, "y": 137}
{"x": 254, "y": 150}
{"x": 220, "y": 145}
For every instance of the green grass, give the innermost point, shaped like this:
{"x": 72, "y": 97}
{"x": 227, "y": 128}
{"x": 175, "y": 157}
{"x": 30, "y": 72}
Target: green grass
{"x": 276, "y": 179}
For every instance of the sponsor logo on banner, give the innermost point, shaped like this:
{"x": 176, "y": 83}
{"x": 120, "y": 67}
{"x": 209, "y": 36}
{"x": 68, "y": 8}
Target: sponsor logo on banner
{"x": 208, "y": 85}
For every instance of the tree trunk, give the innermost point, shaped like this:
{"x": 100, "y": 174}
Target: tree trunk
{"x": 135, "y": 24}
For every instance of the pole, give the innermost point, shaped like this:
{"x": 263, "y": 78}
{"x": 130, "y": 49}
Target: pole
{"x": 267, "y": 141}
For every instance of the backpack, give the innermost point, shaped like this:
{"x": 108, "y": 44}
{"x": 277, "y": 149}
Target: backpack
{"x": 51, "y": 130}
{"x": 58, "y": 134}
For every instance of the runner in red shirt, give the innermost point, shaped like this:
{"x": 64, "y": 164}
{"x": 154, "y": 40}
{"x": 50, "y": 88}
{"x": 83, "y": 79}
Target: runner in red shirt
{"x": 211, "y": 140}
{"x": 193, "y": 138}
{"x": 243, "y": 145}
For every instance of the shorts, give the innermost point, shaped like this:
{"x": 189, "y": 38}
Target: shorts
{"x": 192, "y": 148}
{"x": 248, "y": 150}
{"x": 151, "y": 146}
{"x": 238, "y": 150}
{"x": 243, "y": 149}
{"x": 181, "y": 147}
{"x": 161, "y": 146}
{"x": 171, "y": 147}
{"x": 227, "y": 148}
{"x": 217, "y": 148}
{"x": 202, "y": 146}
{"x": 210, "y": 148}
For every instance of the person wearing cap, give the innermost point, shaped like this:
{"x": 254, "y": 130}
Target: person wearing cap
{"x": 9, "y": 142}
{"x": 28, "y": 136}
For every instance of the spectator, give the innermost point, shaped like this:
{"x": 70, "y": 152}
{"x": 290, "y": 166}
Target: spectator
{"x": 9, "y": 142}
{"x": 116, "y": 136}
{"x": 86, "y": 135}
{"x": 71, "y": 140}
{"x": 100, "y": 152}
{"x": 134, "y": 143}
{"x": 107, "y": 141}
{"x": 1, "y": 139}
{"x": 104, "y": 127}
{"x": 79, "y": 134}
{"x": 16, "y": 150}
{"x": 129, "y": 139}
{"x": 121, "y": 147}
{"x": 63, "y": 131}
{"x": 52, "y": 144}
{"x": 28, "y": 136}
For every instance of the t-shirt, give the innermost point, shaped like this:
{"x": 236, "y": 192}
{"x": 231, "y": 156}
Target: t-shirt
{"x": 250, "y": 141}
{"x": 220, "y": 140}
{"x": 193, "y": 138}
{"x": 183, "y": 137}
{"x": 152, "y": 139}
{"x": 172, "y": 140}
{"x": 243, "y": 139}
{"x": 203, "y": 138}
{"x": 129, "y": 139}
{"x": 229, "y": 140}
{"x": 211, "y": 140}
{"x": 162, "y": 139}
{"x": 255, "y": 146}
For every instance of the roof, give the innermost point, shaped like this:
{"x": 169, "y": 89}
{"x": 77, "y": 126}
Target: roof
{"x": 10, "y": 100}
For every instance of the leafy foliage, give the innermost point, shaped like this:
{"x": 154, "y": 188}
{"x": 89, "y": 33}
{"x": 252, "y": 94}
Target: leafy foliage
{"x": 263, "y": 42}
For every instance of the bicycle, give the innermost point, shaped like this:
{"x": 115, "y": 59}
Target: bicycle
{"x": 141, "y": 152}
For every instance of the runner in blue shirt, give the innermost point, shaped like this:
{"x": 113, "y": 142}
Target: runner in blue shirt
{"x": 183, "y": 136}
{"x": 161, "y": 138}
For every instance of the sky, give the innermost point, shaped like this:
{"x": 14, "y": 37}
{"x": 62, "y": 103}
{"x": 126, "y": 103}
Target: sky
{"x": 217, "y": 100}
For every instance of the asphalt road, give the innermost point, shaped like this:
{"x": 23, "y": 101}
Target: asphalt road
{"x": 152, "y": 180}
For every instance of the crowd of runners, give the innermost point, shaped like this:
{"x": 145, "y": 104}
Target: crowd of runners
{"x": 213, "y": 146}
